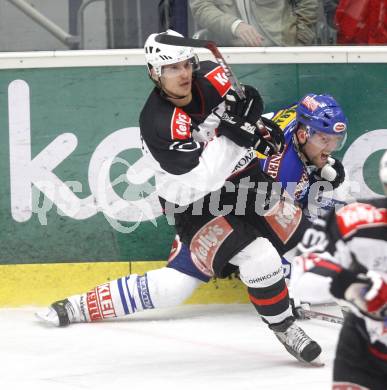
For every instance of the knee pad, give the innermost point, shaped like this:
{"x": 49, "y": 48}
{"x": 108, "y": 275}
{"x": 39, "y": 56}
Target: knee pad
{"x": 259, "y": 264}
{"x": 169, "y": 287}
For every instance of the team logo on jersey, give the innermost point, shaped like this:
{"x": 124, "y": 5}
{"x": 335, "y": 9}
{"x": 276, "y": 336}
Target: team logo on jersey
{"x": 219, "y": 80}
{"x": 284, "y": 117}
{"x": 244, "y": 161}
{"x": 310, "y": 103}
{"x": 284, "y": 219}
{"x": 339, "y": 127}
{"x": 274, "y": 163}
{"x": 180, "y": 125}
{"x": 356, "y": 216}
{"x": 206, "y": 243}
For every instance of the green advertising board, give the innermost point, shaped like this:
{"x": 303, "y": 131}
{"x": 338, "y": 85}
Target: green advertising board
{"x": 62, "y": 127}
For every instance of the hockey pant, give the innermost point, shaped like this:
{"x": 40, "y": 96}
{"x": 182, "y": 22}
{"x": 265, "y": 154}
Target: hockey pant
{"x": 222, "y": 245}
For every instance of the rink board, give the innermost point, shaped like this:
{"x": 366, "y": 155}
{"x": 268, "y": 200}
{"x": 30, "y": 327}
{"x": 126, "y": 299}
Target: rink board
{"x": 64, "y": 114}
{"x": 42, "y": 284}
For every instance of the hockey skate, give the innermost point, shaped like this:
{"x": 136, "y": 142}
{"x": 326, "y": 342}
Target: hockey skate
{"x": 297, "y": 342}
{"x": 60, "y": 313}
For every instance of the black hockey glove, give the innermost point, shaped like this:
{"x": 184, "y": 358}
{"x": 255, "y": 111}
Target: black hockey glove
{"x": 298, "y": 308}
{"x": 273, "y": 136}
{"x": 250, "y": 109}
{"x": 264, "y": 139}
{"x": 366, "y": 293}
{"x": 333, "y": 172}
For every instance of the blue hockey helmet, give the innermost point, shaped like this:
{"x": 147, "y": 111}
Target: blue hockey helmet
{"x": 322, "y": 114}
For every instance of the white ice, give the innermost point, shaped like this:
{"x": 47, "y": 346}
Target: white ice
{"x": 192, "y": 347}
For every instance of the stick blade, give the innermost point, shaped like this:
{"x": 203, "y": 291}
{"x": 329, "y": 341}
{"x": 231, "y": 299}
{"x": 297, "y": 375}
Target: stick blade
{"x": 182, "y": 41}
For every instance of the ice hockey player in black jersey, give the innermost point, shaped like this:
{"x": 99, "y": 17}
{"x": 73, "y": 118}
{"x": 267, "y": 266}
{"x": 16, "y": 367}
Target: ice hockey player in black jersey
{"x": 202, "y": 141}
{"x": 350, "y": 247}
{"x": 195, "y": 131}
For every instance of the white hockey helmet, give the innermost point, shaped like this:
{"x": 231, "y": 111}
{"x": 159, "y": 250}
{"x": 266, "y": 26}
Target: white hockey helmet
{"x": 157, "y": 54}
{"x": 383, "y": 171}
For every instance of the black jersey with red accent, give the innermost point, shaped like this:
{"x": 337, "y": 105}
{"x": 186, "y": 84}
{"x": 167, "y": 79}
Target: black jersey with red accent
{"x": 358, "y": 233}
{"x": 188, "y": 158}
{"x": 353, "y": 238}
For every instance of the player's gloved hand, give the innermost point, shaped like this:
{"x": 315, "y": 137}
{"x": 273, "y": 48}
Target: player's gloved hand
{"x": 333, "y": 172}
{"x": 376, "y": 296}
{"x": 267, "y": 140}
{"x": 272, "y": 137}
{"x": 367, "y": 293}
{"x": 250, "y": 109}
{"x": 298, "y": 308}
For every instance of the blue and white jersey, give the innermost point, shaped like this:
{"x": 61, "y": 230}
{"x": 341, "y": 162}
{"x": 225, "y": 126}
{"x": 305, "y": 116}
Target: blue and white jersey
{"x": 287, "y": 166}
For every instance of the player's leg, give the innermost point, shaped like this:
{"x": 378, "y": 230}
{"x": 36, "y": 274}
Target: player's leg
{"x": 355, "y": 365}
{"x": 165, "y": 287}
{"x": 261, "y": 271}
{"x": 219, "y": 244}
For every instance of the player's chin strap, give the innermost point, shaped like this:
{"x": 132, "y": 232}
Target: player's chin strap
{"x": 309, "y": 166}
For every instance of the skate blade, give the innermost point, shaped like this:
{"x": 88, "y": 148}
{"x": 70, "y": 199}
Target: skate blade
{"x": 316, "y": 362}
{"x": 48, "y": 317}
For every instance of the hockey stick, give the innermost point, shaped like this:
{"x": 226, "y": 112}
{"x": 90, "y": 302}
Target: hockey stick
{"x": 311, "y": 314}
{"x": 211, "y": 46}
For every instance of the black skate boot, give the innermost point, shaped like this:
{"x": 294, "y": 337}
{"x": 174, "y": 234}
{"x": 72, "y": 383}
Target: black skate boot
{"x": 297, "y": 342}
{"x": 61, "y": 313}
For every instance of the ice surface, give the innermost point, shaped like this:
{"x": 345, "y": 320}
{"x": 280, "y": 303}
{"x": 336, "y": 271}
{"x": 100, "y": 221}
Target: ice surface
{"x": 222, "y": 347}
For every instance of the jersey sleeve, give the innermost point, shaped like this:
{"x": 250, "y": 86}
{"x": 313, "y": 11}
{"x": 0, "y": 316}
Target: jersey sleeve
{"x": 215, "y": 76}
{"x": 171, "y": 142}
{"x": 204, "y": 166}
{"x": 345, "y": 236}
{"x": 319, "y": 247}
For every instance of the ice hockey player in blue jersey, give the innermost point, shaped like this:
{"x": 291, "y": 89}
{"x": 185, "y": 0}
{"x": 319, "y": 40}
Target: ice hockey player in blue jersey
{"x": 203, "y": 121}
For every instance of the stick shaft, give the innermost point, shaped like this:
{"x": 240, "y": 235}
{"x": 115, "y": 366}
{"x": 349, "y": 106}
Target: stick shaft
{"x": 320, "y": 316}
{"x": 211, "y": 46}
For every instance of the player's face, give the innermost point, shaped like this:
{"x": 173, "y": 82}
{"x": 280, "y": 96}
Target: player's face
{"x": 177, "y": 78}
{"x": 320, "y": 146}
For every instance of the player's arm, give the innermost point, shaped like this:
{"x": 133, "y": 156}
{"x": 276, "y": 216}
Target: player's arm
{"x": 242, "y": 122}
{"x": 366, "y": 293}
{"x": 240, "y": 118}
{"x": 208, "y": 167}
{"x": 200, "y": 165}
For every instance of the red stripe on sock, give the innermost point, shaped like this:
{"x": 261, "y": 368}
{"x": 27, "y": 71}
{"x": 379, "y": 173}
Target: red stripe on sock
{"x": 270, "y": 301}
